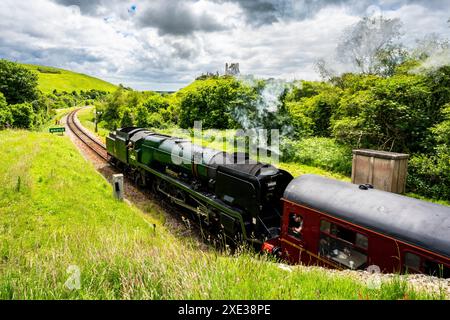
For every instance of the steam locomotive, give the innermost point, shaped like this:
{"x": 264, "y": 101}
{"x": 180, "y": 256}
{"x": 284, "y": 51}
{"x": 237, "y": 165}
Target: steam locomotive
{"x": 311, "y": 219}
{"x": 237, "y": 199}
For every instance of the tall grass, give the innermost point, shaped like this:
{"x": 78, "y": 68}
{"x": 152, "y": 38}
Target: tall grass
{"x": 320, "y": 152}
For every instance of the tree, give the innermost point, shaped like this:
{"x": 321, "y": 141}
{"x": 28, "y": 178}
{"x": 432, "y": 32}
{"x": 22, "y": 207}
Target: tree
{"x": 23, "y": 115}
{"x": 155, "y": 103}
{"x": 392, "y": 114}
{"x": 442, "y": 130}
{"x": 17, "y": 83}
{"x": 6, "y": 118}
{"x": 127, "y": 119}
{"x": 142, "y": 116}
{"x": 310, "y": 107}
{"x": 387, "y": 59}
{"x": 216, "y": 102}
{"x": 115, "y": 103}
{"x": 369, "y": 45}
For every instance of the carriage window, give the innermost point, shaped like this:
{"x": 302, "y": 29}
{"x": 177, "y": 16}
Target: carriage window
{"x": 343, "y": 233}
{"x": 417, "y": 263}
{"x": 435, "y": 269}
{"x": 343, "y": 245}
{"x": 295, "y": 225}
{"x": 325, "y": 226}
{"x": 362, "y": 241}
{"x": 412, "y": 261}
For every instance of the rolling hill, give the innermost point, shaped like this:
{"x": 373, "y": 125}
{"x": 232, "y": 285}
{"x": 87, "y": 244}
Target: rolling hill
{"x": 62, "y": 80}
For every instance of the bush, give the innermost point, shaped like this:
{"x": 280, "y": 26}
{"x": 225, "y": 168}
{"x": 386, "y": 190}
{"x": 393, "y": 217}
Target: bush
{"x": 126, "y": 108}
{"x": 6, "y": 118}
{"x": 48, "y": 70}
{"x": 17, "y": 83}
{"x": 156, "y": 120}
{"x": 394, "y": 115}
{"x": 23, "y": 115}
{"x": 441, "y": 131}
{"x": 325, "y": 153}
{"x": 127, "y": 119}
{"x": 155, "y": 103}
{"x": 429, "y": 175}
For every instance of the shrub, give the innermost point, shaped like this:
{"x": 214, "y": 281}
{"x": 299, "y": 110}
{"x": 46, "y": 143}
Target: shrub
{"x": 127, "y": 119}
{"x": 442, "y": 130}
{"x": 156, "y": 120}
{"x": 48, "y": 70}
{"x": 23, "y": 115}
{"x": 17, "y": 83}
{"x": 429, "y": 175}
{"x": 6, "y": 118}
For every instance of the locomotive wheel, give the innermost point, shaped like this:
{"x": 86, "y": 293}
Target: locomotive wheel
{"x": 139, "y": 180}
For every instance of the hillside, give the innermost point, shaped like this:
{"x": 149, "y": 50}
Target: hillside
{"x": 62, "y": 80}
{"x": 58, "y": 220}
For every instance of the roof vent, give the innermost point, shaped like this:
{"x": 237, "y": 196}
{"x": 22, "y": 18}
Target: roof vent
{"x": 365, "y": 186}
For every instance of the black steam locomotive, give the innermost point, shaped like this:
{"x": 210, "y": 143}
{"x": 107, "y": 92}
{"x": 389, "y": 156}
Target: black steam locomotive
{"x": 228, "y": 193}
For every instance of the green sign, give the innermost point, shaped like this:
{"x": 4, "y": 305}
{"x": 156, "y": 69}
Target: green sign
{"x": 57, "y": 130}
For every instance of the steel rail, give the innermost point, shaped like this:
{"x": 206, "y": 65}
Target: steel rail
{"x": 98, "y": 148}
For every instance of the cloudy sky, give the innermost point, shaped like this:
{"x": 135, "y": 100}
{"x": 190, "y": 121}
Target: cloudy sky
{"x": 165, "y": 44}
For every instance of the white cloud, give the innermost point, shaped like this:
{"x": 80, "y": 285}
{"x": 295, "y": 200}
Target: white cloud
{"x": 108, "y": 42}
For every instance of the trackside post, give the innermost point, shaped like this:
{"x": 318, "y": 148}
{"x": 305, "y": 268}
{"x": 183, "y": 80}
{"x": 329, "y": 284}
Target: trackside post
{"x": 118, "y": 189}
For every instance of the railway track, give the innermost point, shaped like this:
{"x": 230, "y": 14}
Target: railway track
{"x": 193, "y": 227}
{"x": 98, "y": 148}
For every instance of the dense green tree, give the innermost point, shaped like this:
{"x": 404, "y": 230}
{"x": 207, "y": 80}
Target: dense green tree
{"x": 113, "y": 109}
{"x": 155, "y": 103}
{"x": 142, "y": 117}
{"x": 6, "y": 117}
{"x": 429, "y": 174}
{"x": 441, "y": 131}
{"x": 17, "y": 83}
{"x": 23, "y": 115}
{"x": 311, "y": 106}
{"x": 127, "y": 119}
{"x": 218, "y": 103}
{"x": 392, "y": 114}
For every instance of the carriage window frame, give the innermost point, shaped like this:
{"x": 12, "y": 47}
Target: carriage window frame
{"x": 326, "y": 227}
{"x": 365, "y": 249}
{"x": 413, "y": 268}
{"x": 423, "y": 260}
{"x": 298, "y": 236}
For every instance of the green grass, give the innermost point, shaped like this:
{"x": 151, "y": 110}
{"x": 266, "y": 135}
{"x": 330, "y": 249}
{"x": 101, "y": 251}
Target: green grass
{"x": 63, "y": 80}
{"x": 56, "y": 211}
{"x": 87, "y": 119}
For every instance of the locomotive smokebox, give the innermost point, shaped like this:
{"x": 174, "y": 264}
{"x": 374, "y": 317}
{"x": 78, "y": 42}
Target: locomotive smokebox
{"x": 383, "y": 170}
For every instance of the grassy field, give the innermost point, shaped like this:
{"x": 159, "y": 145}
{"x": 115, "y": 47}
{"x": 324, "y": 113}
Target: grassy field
{"x": 58, "y": 220}
{"x": 63, "y": 80}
